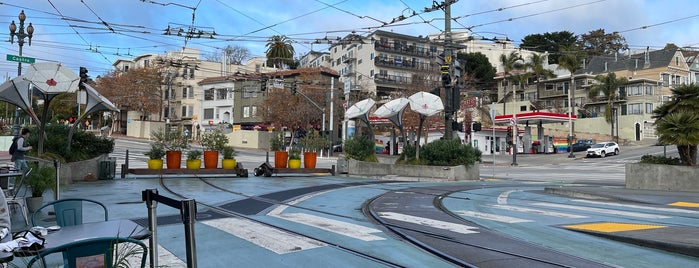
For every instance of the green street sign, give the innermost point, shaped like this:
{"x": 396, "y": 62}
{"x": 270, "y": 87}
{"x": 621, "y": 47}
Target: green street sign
{"x": 20, "y": 59}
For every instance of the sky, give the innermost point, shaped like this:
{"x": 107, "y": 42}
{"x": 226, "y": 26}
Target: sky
{"x": 96, "y": 33}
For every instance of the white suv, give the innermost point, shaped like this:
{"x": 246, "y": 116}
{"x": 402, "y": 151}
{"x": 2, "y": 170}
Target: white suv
{"x": 603, "y": 149}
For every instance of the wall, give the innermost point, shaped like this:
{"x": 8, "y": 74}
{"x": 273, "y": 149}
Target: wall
{"x": 452, "y": 173}
{"x": 251, "y": 139}
{"x": 662, "y": 177}
{"x": 142, "y": 129}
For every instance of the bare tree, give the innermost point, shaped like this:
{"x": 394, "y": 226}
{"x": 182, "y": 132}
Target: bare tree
{"x": 139, "y": 89}
{"x": 234, "y": 55}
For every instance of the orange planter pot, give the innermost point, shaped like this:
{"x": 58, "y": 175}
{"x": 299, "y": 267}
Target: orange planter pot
{"x": 174, "y": 159}
{"x": 210, "y": 159}
{"x": 280, "y": 158}
{"x": 309, "y": 159}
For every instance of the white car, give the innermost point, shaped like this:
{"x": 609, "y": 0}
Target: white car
{"x": 603, "y": 149}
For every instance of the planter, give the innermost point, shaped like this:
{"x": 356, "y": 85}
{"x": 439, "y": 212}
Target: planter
{"x": 280, "y": 158}
{"x": 309, "y": 159}
{"x": 294, "y": 163}
{"x": 34, "y": 203}
{"x": 174, "y": 159}
{"x": 155, "y": 164}
{"x": 210, "y": 159}
{"x": 228, "y": 163}
{"x": 194, "y": 164}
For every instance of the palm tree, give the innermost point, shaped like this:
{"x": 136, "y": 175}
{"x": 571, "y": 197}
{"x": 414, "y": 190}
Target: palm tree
{"x": 678, "y": 122}
{"x": 511, "y": 62}
{"x": 570, "y": 60}
{"x": 608, "y": 86}
{"x": 279, "y": 52}
{"x": 536, "y": 64}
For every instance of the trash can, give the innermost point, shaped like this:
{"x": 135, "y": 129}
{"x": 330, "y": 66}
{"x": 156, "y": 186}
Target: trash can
{"x": 107, "y": 169}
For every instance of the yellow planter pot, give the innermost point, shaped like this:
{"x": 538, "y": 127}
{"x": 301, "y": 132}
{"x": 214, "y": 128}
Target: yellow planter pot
{"x": 294, "y": 163}
{"x": 155, "y": 164}
{"x": 228, "y": 163}
{"x": 194, "y": 164}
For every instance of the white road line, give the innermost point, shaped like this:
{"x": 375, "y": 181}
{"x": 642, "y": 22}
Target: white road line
{"x": 502, "y": 198}
{"x": 639, "y": 207}
{"x": 538, "y": 211}
{"x": 264, "y": 236}
{"x": 454, "y": 227}
{"x": 344, "y": 228}
{"x": 602, "y": 210}
{"x": 492, "y": 217}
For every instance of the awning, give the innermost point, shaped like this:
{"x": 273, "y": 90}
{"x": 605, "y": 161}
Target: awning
{"x": 535, "y": 118}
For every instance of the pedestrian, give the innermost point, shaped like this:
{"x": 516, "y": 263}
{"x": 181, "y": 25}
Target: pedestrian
{"x": 18, "y": 156}
{"x": 388, "y": 147}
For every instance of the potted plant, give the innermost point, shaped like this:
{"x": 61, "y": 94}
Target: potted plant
{"x": 155, "y": 155}
{"x": 39, "y": 180}
{"x": 174, "y": 142}
{"x": 213, "y": 143}
{"x": 228, "y": 161}
{"x": 294, "y": 158}
{"x": 276, "y": 144}
{"x": 312, "y": 143}
{"x": 193, "y": 159}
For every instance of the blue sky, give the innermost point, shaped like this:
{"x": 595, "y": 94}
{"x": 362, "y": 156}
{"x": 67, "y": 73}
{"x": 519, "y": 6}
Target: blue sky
{"x": 95, "y": 33}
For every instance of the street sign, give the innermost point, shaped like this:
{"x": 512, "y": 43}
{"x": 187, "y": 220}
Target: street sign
{"x": 20, "y": 59}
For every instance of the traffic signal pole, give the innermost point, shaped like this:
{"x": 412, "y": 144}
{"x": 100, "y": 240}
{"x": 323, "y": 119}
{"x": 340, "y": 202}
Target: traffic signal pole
{"x": 449, "y": 109}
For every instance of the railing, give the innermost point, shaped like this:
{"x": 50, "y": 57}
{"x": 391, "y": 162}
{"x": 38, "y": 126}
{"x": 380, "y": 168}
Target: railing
{"x": 391, "y": 79}
{"x": 407, "y": 64}
{"x": 408, "y": 49}
{"x": 188, "y": 211}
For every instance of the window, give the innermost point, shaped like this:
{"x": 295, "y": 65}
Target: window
{"x": 184, "y": 92}
{"x": 209, "y": 94}
{"x": 649, "y": 90}
{"x": 634, "y": 108}
{"x": 359, "y": 61}
{"x": 549, "y": 86}
{"x": 635, "y": 91}
{"x": 249, "y": 92}
{"x": 146, "y": 63}
{"x": 666, "y": 80}
{"x": 371, "y": 56}
{"x": 184, "y": 111}
{"x": 209, "y": 113}
{"x": 649, "y": 108}
{"x": 221, "y": 93}
{"x": 246, "y": 111}
{"x": 184, "y": 72}
{"x": 191, "y": 73}
{"x": 254, "y": 111}
{"x": 371, "y": 73}
{"x": 359, "y": 47}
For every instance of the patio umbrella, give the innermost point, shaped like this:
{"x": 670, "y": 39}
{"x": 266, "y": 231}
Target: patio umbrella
{"x": 361, "y": 109}
{"x": 95, "y": 103}
{"x": 393, "y": 111}
{"x": 426, "y": 104}
{"x": 51, "y": 79}
{"x": 16, "y": 91}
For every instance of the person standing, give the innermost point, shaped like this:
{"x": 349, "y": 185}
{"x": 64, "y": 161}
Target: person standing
{"x": 18, "y": 156}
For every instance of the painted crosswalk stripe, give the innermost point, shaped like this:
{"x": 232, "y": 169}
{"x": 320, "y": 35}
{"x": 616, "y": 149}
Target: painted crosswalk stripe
{"x": 264, "y": 236}
{"x": 540, "y": 212}
{"x": 492, "y": 217}
{"x": 604, "y": 211}
{"x": 344, "y": 228}
{"x": 449, "y": 226}
{"x": 639, "y": 207}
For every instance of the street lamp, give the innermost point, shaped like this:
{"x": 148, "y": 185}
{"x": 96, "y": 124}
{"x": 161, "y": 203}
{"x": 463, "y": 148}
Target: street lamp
{"x": 20, "y": 41}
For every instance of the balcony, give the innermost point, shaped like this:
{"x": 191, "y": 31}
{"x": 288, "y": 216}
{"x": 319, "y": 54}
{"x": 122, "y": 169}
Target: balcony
{"x": 391, "y": 79}
{"x": 403, "y": 64}
{"x": 406, "y": 50}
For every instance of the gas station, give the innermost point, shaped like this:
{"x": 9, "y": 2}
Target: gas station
{"x": 539, "y": 144}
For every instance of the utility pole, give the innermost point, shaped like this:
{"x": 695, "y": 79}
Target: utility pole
{"x": 449, "y": 109}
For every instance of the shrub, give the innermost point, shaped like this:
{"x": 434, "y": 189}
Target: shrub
{"x": 652, "y": 159}
{"x": 228, "y": 152}
{"x": 360, "y": 148}
{"x": 194, "y": 154}
{"x": 83, "y": 146}
{"x": 214, "y": 141}
{"x": 446, "y": 153}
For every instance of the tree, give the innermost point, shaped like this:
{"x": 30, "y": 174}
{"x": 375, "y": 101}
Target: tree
{"x": 549, "y": 42}
{"x": 234, "y": 55}
{"x": 279, "y": 52}
{"x": 677, "y": 122}
{"x": 536, "y": 64}
{"x": 139, "y": 89}
{"x": 512, "y": 62}
{"x": 477, "y": 70}
{"x": 608, "y": 86}
{"x": 597, "y": 43}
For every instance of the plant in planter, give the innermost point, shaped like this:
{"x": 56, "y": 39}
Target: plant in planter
{"x": 276, "y": 144}
{"x": 312, "y": 143}
{"x": 39, "y": 180}
{"x": 174, "y": 143}
{"x": 155, "y": 155}
{"x": 294, "y": 158}
{"x": 193, "y": 159}
{"x": 213, "y": 143}
{"x": 228, "y": 161}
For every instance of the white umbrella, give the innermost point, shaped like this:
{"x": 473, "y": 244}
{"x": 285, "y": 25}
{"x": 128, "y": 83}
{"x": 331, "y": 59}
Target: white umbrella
{"x": 52, "y": 78}
{"x": 16, "y": 91}
{"x": 361, "y": 109}
{"x": 393, "y": 109}
{"x": 426, "y": 104}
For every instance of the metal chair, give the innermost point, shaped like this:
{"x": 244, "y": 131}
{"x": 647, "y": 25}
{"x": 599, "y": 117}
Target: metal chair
{"x": 97, "y": 252}
{"x": 69, "y": 211}
{"x": 14, "y": 199}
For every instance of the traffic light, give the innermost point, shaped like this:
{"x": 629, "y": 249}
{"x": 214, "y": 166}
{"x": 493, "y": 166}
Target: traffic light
{"x": 476, "y": 126}
{"x": 509, "y": 135}
{"x": 263, "y": 85}
{"x": 293, "y": 88}
{"x": 446, "y": 78}
{"x": 83, "y": 78}
{"x": 457, "y": 126}
{"x": 71, "y": 119}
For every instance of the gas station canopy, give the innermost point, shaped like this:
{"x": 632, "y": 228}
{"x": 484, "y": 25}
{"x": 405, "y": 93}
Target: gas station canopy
{"x": 535, "y": 118}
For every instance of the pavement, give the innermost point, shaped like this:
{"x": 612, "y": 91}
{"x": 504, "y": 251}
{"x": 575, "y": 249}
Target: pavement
{"x": 123, "y": 199}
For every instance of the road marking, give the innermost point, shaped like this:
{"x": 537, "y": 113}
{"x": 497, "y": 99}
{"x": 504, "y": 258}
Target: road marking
{"x": 492, "y": 217}
{"x": 602, "y": 210}
{"x": 344, "y": 228}
{"x": 449, "y": 226}
{"x": 686, "y": 204}
{"x": 502, "y": 198}
{"x": 612, "y": 227}
{"x": 540, "y": 212}
{"x": 641, "y": 207}
{"x": 264, "y": 236}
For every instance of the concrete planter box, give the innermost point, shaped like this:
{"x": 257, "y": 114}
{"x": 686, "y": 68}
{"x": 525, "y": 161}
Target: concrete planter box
{"x": 380, "y": 170}
{"x": 662, "y": 177}
{"x": 77, "y": 171}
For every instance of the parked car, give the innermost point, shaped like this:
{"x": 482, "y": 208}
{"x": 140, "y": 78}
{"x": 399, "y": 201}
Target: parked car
{"x": 581, "y": 145}
{"x": 603, "y": 149}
